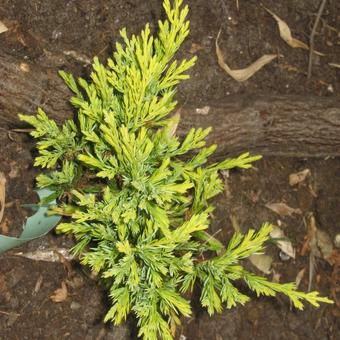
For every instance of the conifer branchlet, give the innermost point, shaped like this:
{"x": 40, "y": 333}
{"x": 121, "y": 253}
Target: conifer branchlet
{"x": 139, "y": 209}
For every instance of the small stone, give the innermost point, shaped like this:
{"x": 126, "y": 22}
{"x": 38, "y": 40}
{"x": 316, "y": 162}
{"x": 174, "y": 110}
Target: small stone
{"x": 283, "y": 256}
{"x": 337, "y": 240}
{"x": 75, "y": 305}
{"x": 330, "y": 88}
{"x": 203, "y": 110}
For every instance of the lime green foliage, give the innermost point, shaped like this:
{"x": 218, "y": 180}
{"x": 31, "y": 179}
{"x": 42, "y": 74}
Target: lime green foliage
{"x": 140, "y": 210}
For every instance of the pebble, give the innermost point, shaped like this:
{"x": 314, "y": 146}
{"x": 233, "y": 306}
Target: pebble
{"x": 284, "y": 256}
{"x": 75, "y": 305}
{"x": 337, "y": 240}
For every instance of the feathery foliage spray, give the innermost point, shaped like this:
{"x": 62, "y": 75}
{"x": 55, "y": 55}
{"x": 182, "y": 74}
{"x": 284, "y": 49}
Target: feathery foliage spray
{"x": 139, "y": 210}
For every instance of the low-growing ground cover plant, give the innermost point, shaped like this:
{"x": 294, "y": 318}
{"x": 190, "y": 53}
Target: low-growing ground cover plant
{"x": 137, "y": 197}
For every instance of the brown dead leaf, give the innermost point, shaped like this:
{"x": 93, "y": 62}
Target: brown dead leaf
{"x": 334, "y": 258}
{"x": 310, "y": 239}
{"x": 3, "y": 27}
{"x": 38, "y": 285}
{"x": 320, "y": 245}
{"x": 284, "y": 244}
{"x": 299, "y": 277}
{"x": 262, "y": 262}
{"x": 24, "y": 67}
{"x": 60, "y": 294}
{"x": 298, "y": 177}
{"x": 286, "y": 34}
{"x": 195, "y": 48}
{"x": 334, "y": 65}
{"x": 246, "y": 73}
{"x": 4, "y": 227}
{"x": 319, "y": 241}
{"x": 283, "y": 209}
{"x": 2, "y": 194}
{"x": 324, "y": 243}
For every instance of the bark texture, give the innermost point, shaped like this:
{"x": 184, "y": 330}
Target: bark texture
{"x": 271, "y": 125}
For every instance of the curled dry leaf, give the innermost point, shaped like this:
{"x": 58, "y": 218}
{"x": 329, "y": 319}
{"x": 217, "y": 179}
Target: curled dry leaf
{"x": 60, "y": 294}
{"x": 242, "y": 74}
{"x": 334, "y": 65}
{"x": 283, "y": 243}
{"x": 319, "y": 242}
{"x": 2, "y": 194}
{"x": 299, "y": 277}
{"x": 298, "y": 177}
{"x": 286, "y": 34}
{"x": 283, "y": 209}
{"x": 3, "y": 27}
{"x": 262, "y": 262}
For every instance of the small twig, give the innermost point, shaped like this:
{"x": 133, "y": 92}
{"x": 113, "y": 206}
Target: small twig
{"x": 9, "y": 313}
{"x": 312, "y": 36}
{"x": 21, "y": 130}
{"x": 311, "y": 270}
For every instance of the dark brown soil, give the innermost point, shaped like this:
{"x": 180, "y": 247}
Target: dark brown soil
{"x": 44, "y": 32}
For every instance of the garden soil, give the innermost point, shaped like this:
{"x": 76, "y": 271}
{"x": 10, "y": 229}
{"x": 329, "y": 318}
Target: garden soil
{"x": 66, "y": 35}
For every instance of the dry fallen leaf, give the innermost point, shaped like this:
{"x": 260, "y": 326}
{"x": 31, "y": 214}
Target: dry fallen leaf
{"x": 60, "y": 294}
{"x": 284, "y": 244}
{"x": 24, "y": 67}
{"x": 282, "y": 209}
{"x": 298, "y": 177}
{"x": 195, "y": 48}
{"x": 299, "y": 277}
{"x": 319, "y": 243}
{"x": 324, "y": 243}
{"x": 334, "y": 65}
{"x": 286, "y": 34}
{"x": 2, "y": 194}
{"x": 3, "y": 27}
{"x": 4, "y": 226}
{"x": 262, "y": 262}
{"x": 38, "y": 285}
{"x": 243, "y": 74}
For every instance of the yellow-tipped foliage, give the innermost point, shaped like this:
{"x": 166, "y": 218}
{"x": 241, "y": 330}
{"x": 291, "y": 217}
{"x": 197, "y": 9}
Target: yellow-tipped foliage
{"x": 140, "y": 210}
